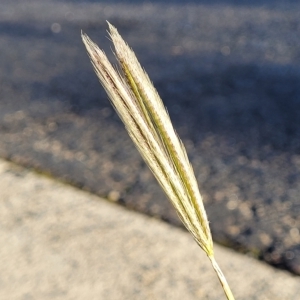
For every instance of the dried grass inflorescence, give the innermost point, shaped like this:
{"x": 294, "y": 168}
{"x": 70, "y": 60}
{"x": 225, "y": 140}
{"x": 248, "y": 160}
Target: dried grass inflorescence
{"x": 142, "y": 111}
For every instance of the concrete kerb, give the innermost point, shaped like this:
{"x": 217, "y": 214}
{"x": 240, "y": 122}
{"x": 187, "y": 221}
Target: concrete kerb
{"x": 58, "y": 242}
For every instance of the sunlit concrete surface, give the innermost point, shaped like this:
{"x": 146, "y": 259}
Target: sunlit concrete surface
{"x": 58, "y": 242}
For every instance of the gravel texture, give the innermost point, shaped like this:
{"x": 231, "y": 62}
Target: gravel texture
{"x": 228, "y": 71}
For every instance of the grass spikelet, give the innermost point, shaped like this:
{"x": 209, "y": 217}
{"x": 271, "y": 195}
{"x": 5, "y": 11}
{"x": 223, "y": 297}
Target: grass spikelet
{"x": 142, "y": 111}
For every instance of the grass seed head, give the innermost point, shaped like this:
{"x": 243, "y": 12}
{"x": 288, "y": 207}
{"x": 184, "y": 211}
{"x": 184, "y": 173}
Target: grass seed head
{"x": 141, "y": 109}
{"x": 138, "y": 104}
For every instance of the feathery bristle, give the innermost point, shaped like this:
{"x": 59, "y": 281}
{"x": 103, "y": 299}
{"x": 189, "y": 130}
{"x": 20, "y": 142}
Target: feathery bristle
{"x": 142, "y": 111}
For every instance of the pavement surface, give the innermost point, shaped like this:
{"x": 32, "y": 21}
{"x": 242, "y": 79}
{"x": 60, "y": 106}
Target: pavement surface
{"x": 228, "y": 71}
{"x": 59, "y": 242}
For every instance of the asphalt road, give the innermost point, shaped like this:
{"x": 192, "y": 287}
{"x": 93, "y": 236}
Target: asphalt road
{"x": 228, "y": 72}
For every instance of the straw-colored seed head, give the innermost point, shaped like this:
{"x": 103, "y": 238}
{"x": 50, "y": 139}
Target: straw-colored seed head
{"x": 147, "y": 122}
{"x": 139, "y": 106}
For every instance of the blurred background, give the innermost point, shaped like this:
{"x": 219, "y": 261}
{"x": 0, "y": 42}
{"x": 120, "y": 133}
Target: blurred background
{"x": 229, "y": 74}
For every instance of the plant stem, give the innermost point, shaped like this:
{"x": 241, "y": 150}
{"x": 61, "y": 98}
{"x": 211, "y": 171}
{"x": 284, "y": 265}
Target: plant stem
{"x": 222, "y": 278}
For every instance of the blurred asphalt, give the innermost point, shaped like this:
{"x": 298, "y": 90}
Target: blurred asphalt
{"x": 228, "y": 72}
